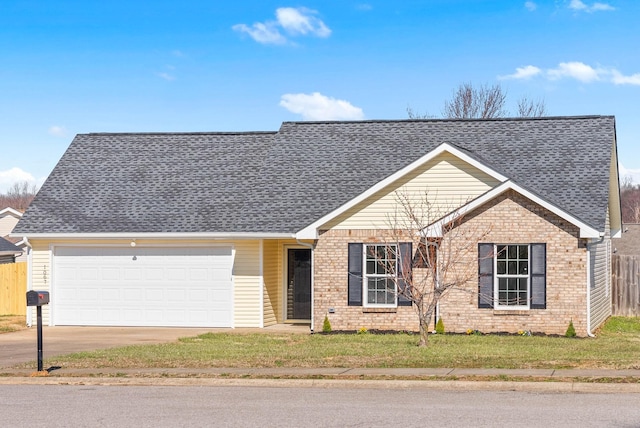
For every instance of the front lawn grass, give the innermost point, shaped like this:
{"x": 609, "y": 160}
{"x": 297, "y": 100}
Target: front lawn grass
{"x": 617, "y": 346}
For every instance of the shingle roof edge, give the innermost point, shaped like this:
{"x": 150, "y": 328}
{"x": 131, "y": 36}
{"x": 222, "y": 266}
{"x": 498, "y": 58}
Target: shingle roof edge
{"x": 495, "y": 119}
{"x": 103, "y": 134}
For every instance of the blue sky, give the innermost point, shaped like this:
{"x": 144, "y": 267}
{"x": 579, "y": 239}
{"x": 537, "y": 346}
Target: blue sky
{"x": 83, "y": 66}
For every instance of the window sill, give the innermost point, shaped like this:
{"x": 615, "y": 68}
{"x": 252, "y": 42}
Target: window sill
{"x": 511, "y": 312}
{"x": 379, "y": 310}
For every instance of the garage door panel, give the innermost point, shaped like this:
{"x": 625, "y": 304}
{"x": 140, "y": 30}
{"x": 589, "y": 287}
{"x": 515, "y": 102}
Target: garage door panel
{"x": 154, "y": 294}
{"x": 131, "y": 315}
{"x": 132, "y": 274}
{"x": 110, "y": 294}
{"x": 154, "y": 286}
{"x": 88, "y": 294}
{"x": 198, "y": 274}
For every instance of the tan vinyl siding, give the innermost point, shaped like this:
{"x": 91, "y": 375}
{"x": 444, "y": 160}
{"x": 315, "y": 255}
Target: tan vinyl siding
{"x": 247, "y": 281}
{"x": 271, "y": 282}
{"x": 7, "y": 223}
{"x": 448, "y": 181}
{"x": 40, "y": 276}
{"x": 247, "y": 277}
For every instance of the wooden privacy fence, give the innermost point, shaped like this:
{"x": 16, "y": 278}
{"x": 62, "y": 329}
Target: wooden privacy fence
{"x": 625, "y": 285}
{"x": 13, "y": 288}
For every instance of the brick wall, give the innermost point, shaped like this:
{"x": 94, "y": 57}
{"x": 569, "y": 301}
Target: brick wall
{"x": 330, "y": 287}
{"x": 508, "y": 219}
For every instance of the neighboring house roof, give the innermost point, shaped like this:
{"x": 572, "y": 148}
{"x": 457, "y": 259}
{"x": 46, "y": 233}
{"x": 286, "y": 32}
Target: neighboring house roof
{"x": 7, "y": 248}
{"x": 281, "y": 182}
{"x": 629, "y": 242}
{"x": 10, "y": 211}
{"x": 9, "y": 217}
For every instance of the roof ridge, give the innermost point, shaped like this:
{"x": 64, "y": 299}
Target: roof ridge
{"x": 102, "y": 134}
{"x": 444, "y": 119}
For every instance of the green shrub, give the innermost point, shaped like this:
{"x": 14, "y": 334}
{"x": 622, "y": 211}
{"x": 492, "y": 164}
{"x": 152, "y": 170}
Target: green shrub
{"x": 440, "y": 326}
{"x": 571, "y": 331}
{"x": 326, "y": 325}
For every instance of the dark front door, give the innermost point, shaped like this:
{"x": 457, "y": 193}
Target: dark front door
{"x": 298, "y": 284}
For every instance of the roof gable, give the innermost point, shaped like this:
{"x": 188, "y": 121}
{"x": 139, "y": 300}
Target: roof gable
{"x": 10, "y": 212}
{"x": 436, "y": 229}
{"x": 396, "y": 180}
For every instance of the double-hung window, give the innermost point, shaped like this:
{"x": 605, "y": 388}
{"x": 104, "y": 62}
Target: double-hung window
{"x": 512, "y": 276}
{"x": 380, "y": 274}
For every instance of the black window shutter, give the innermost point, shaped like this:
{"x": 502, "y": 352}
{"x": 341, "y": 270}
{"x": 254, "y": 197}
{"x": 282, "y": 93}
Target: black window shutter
{"x": 354, "y": 294}
{"x": 485, "y": 275}
{"x": 538, "y": 272}
{"x": 404, "y": 271}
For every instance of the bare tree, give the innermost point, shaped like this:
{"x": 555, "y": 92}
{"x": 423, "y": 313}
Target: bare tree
{"x": 441, "y": 260}
{"x": 483, "y": 102}
{"x": 630, "y": 201}
{"x": 19, "y": 196}
{"x": 530, "y": 108}
{"x": 469, "y": 102}
{"x": 413, "y": 114}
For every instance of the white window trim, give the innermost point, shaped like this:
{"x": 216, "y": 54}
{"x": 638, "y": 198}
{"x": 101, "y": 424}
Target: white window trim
{"x": 496, "y": 279}
{"x": 365, "y": 279}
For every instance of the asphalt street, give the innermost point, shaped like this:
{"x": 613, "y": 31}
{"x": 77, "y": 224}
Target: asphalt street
{"x": 247, "y": 406}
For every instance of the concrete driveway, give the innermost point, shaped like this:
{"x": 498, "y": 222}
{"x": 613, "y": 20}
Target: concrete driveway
{"x": 21, "y": 346}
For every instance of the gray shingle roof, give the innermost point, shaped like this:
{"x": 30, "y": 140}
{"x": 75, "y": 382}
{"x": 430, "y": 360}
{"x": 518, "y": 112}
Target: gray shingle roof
{"x": 280, "y": 182}
{"x": 7, "y": 247}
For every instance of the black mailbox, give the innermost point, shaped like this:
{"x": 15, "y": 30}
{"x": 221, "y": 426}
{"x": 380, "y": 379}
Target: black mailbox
{"x": 37, "y": 298}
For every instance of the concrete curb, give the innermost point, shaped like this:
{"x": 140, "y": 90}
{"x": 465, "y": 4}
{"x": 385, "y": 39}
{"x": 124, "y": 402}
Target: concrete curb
{"x": 559, "y": 387}
{"x": 334, "y": 372}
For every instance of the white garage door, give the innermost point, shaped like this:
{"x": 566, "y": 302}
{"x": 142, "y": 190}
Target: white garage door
{"x": 138, "y": 286}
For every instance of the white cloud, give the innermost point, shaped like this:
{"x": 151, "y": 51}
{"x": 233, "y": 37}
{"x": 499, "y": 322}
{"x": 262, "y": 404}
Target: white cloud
{"x": 301, "y": 21}
{"x": 57, "y": 131}
{"x": 577, "y": 5}
{"x": 531, "y": 6}
{"x": 576, "y": 70}
{"x": 580, "y": 6}
{"x": 15, "y": 175}
{"x": 634, "y": 174}
{"x": 262, "y": 33}
{"x": 166, "y": 76}
{"x": 295, "y": 21}
{"x": 601, "y": 6}
{"x": 316, "y": 106}
{"x": 526, "y": 72}
{"x": 619, "y": 79}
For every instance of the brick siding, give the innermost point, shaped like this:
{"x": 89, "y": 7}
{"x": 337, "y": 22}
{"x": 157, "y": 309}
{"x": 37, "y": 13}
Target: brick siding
{"x": 508, "y": 219}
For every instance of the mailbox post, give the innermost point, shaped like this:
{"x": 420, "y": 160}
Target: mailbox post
{"x": 37, "y": 299}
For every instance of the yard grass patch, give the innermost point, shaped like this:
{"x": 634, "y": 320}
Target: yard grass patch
{"x": 11, "y": 323}
{"x": 617, "y": 347}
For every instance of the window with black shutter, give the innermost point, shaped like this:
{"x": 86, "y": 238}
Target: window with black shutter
{"x": 512, "y": 276}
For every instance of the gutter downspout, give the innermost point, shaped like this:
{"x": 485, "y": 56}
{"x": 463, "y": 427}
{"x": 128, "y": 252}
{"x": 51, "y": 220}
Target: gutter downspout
{"x": 589, "y": 333}
{"x": 29, "y": 280}
{"x": 313, "y": 264}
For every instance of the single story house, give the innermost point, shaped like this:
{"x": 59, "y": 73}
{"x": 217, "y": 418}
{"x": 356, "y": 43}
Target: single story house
{"x": 251, "y": 229}
{"x": 8, "y": 251}
{"x": 9, "y": 217}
